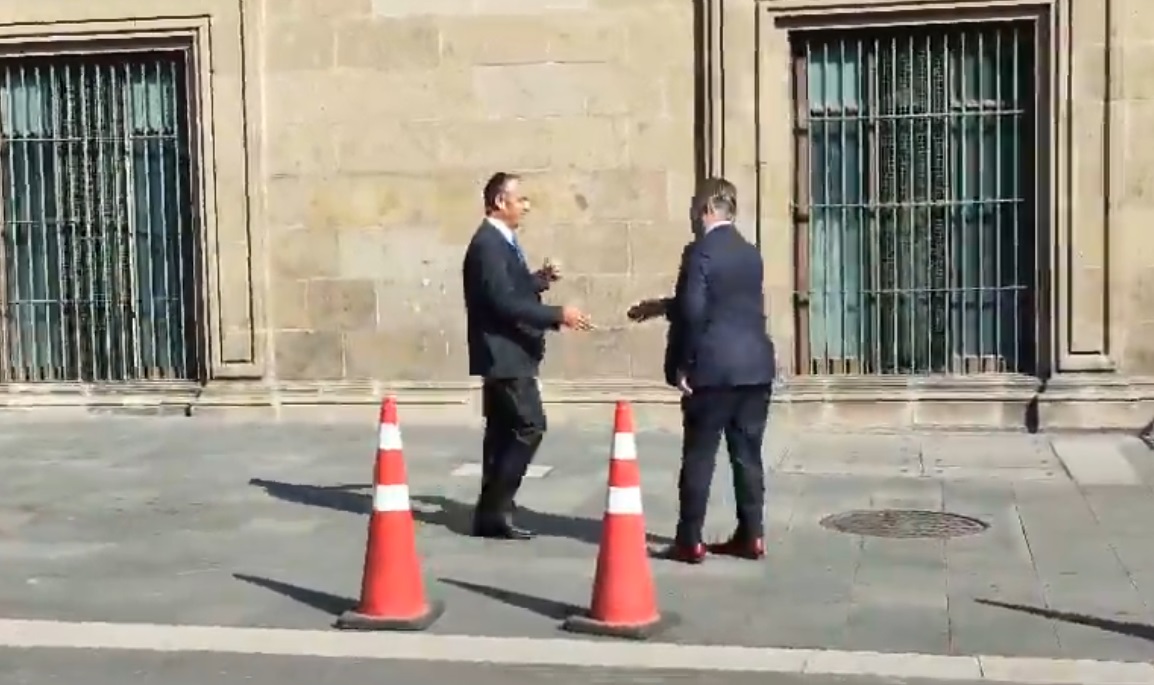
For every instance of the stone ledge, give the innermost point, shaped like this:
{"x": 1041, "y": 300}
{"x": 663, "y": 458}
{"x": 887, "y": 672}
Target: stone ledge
{"x": 1083, "y": 402}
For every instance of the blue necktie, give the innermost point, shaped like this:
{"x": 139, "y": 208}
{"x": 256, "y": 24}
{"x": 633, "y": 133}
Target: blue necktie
{"x": 517, "y": 247}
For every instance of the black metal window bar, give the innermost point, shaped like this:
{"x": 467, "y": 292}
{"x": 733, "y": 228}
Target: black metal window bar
{"x": 100, "y": 261}
{"x": 915, "y": 231}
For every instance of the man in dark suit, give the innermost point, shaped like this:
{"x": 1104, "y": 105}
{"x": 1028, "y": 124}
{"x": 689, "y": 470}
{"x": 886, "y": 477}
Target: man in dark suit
{"x": 720, "y": 356}
{"x": 507, "y": 323}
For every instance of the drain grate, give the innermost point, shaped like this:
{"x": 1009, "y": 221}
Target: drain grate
{"x": 904, "y": 523}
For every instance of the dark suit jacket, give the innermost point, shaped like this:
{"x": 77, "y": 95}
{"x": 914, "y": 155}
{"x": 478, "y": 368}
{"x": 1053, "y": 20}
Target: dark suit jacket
{"x": 717, "y": 324}
{"x": 506, "y": 318}
{"x": 675, "y": 334}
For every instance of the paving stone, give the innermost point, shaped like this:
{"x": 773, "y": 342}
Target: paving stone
{"x": 1041, "y": 475}
{"x": 908, "y": 494}
{"x": 987, "y": 630}
{"x": 1015, "y": 588}
{"x": 872, "y": 628}
{"x": 1141, "y": 457}
{"x": 873, "y": 455}
{"x": 1003, "y": 451}
{"x": 1114, "y": 640}
{"x": 1095, "y": 460}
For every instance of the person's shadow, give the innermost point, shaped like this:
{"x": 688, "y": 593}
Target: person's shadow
{"x": 437, "y": 510}
{"x": 1132, "y": 628}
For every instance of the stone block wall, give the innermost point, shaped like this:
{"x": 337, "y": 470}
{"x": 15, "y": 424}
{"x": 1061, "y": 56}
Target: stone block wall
{"x": 340, "y": 146}
{"x": 1129, "y": 271}
{"x": 382, "y": 120}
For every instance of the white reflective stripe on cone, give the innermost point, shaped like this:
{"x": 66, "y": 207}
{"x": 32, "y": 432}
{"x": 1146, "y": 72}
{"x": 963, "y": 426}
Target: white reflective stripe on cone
{"x": 390, "y": 437}
{"x": 624, "y": 501}
{"x": 624, "y": 447}
{"x": 391, "y": 498}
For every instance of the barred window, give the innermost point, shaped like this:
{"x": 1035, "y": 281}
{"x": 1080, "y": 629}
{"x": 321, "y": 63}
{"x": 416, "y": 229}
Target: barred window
{"x": 99, "y": 250}
{"x": 914, "y": 204}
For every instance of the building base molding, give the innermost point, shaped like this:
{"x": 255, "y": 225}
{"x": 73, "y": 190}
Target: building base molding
{"x": 1067, "y": 402}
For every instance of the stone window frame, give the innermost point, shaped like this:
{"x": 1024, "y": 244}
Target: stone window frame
{"x": 744, "y": 84}
{"x": 223, "y": 164}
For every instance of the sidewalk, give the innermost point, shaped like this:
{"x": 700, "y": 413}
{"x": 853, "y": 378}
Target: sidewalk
{"x": 188, "y": 521}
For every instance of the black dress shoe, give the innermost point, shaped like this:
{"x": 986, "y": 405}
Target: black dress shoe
{"x": 506, "y": 531}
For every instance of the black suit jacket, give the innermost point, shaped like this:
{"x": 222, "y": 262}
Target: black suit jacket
{"x": 717, "y": 323}
{"x": 506, "y": 318}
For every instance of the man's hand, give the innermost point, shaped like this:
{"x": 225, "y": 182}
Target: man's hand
{"x": 551, "y": 271}
{"x": 647, "y": 309}
{"x": 575, "y": 319}
{"x": 683, "y": 384}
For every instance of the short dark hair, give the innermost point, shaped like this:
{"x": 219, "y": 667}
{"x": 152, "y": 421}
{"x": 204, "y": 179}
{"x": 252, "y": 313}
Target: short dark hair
{"x": 718, "y": 195}
{"x": 495, "y": 186}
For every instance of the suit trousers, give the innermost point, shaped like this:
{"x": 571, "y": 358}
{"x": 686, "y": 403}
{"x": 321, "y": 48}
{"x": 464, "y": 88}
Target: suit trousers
{"x": 740, "y": 414}
{"x": 514, "y": 428}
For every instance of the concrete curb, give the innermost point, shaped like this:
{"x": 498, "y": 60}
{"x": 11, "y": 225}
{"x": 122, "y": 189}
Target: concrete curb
{"x": 564, "y": 652}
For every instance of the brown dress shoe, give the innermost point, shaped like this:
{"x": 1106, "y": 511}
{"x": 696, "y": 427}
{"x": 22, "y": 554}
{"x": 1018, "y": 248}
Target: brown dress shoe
{"x": 741, "y": 548}
{"x": 685, "y": 554}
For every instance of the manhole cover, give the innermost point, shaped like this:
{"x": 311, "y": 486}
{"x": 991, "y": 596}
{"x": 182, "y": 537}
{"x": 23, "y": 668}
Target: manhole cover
{"x": 904, "y": 523}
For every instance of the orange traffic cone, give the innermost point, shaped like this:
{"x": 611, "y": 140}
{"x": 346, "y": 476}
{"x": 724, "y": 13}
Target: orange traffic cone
{"x": 392, "y": 589}
{"x": 624, "y": 599}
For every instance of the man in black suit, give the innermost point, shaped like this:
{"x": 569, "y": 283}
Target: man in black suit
{"x": 720, "y": 356}
{"x": 507, "y": 323}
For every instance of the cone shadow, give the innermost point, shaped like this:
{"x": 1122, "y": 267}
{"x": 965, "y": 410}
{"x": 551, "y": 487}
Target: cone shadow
{"x": 331, "y": 604}
{"x": 335, "y": 497}
{"x": 541, "y": 606}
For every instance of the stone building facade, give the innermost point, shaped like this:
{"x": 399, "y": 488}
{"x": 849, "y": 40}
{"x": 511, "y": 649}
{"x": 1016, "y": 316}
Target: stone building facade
{"x": 334, "y": 152}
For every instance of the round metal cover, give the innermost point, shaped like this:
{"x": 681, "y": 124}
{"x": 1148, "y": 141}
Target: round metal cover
{"x": 904, "y": 523}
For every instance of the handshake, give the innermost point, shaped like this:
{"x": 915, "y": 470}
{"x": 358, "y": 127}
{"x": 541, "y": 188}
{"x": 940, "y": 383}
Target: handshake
{"x": 575, "y": 319}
